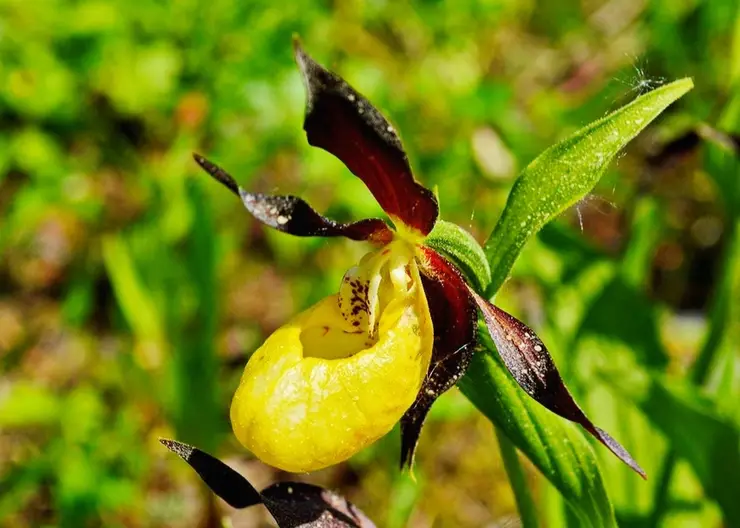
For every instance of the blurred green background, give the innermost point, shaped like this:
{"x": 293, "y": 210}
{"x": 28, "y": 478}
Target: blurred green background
{"x": 133, "y": 288}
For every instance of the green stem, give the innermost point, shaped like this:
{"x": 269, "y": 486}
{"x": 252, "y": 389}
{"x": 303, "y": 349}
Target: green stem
{"x": 662, "y": 489}
{"x": 719, "y": 316}
{"x": 524, "y": 501}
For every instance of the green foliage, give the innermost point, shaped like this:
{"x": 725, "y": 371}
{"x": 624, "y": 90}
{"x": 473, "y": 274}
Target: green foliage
{"x": 701, "y": 435}
{"x": 565, "y": 173}
{"x": 557, "y": 178}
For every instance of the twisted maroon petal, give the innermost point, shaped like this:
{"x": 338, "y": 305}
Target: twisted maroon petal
{"x": 292, "y": 504}
{"x": 531, "y": 365}
{"x": 292, "y": 215}
{"x": 345, "y": 124}
{"x": 455, "y": 321}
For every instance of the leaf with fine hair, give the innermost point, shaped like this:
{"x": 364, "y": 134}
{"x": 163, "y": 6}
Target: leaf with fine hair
{"x": 565, "y": 173}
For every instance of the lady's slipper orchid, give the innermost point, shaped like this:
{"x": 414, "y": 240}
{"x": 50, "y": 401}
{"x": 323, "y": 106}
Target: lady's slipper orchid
{"x": 400, "y": 331}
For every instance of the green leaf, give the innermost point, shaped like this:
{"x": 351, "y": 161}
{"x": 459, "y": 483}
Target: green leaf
{"x": 734, "y": 77}
{"x": 555, "y": 446}
{"x": 718, "y": 364}
{"x": 639, "y": 331}
{"x": 459, "y": 246}
{"x": 565, "y": 173}
{"x": 646, "y": 230}
{"x": 518, "y": 481}
{"x": 722, "y": 164}
{"x": 701, "y": 434}
{"x": 197, "y": 407}
{"x": 137, "y": 305}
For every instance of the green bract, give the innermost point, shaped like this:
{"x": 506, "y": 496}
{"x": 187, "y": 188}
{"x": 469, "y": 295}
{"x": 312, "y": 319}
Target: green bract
{"x": 454, "y": 242}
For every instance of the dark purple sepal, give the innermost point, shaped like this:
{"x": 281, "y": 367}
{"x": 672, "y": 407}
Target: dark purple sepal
{"x": 292, "y": 504}
{"x": 345, "y": 124}
{"x": 531, "y": 365}
{"x": 454, "y": 319}
{"x": 234, "y": 489}
{"x": 295, "y": 504}
{"x": 293, "y": 215}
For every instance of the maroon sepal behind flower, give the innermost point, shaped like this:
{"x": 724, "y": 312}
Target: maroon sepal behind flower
{"x": 529, "y": 362}
{"x": 345, "y": 124}
{"x": 454, "y": 319}
{"x": 292, "y": 504}
{"x": 292, "y": 215}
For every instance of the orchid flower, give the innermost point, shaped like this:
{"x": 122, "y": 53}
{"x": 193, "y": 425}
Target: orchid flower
{"x": 400, "y": 331}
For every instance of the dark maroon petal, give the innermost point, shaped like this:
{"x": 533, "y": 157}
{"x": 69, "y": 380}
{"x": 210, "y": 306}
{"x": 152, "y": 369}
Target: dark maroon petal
{"x": 530, "y": 364}
{"x": 223, "y": 481}
{"x": 296, "y": 504}
{"x": 455, "y": 321}
{"x": 344, "y": 123}
{"x": 292, "y": 504}
{"x": 292, "y": 215}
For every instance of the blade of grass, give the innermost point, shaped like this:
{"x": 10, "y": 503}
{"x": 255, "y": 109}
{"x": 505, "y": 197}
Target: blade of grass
{"x": 197, "y": 410}
{"x": 137, "y": 306}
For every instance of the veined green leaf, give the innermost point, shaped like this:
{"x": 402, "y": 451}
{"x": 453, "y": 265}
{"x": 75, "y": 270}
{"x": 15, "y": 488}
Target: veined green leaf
{"x": 565, "y": 173}
{"x": 558, "y": 448}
